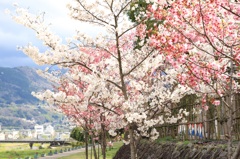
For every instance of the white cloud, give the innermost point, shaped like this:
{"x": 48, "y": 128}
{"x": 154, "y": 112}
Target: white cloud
{"x": 10, "y": 38}
{"x": 56, "y": 14}
{"x": 13, "y": 34}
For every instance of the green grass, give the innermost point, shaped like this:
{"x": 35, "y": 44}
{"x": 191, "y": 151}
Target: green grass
{"x": 18, "y": 150}
{"x": 13, "y": 151}
{"x": 110, "y": 153}
{"x": 165, "y": 139}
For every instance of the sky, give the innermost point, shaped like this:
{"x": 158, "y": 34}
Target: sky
{"x": 13, "y": 34}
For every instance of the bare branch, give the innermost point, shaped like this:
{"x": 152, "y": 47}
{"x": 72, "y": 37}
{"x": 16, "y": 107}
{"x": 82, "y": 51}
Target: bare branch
{"x": 132, "y": 69}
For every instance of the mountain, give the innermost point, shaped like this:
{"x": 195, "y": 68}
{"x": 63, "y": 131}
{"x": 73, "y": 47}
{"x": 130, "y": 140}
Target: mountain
{"x": 16, "y": 85}
{"x": 18, "y": 107}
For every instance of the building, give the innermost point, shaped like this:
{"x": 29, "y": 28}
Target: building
{"x": 15, "y": 134}
{"x": 11, "y": 134}
{"x": 2, "y": 136}
{"x": 39, "y": 130}
{"x": 49, "y": 130}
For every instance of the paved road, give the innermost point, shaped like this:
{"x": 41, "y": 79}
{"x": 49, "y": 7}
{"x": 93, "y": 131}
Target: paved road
{"x": 68, "y": 153}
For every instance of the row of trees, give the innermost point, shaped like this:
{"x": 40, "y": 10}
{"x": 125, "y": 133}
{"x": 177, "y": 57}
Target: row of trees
{"x": 132, "y": 76}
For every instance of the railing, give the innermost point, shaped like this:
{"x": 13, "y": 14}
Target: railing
{"x": 210, "y": 124}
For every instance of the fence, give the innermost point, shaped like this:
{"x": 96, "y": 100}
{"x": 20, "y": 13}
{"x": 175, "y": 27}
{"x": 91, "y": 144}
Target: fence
{"x": 210, "y": 124}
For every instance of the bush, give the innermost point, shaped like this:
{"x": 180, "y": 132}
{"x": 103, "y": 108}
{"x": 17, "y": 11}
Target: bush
{"x": 79, "y": 143}
{"x": 41, "y": 147}
{"x": 76, "y": 144}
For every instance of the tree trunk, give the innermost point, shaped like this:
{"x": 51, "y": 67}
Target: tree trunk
{"x": 132, "y": 145}
{"x": 229, "y": 136}
{"x": 103, "y": 141}
{"x": 98, "y": 151}
{"x": 94, "y": 148}
{"x": 230, "y": 122}
{"x": 86, "y": 144}
{"x": 236, "y": 154}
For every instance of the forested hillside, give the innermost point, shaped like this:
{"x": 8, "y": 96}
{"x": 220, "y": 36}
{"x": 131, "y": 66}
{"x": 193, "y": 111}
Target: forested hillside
{"x": 16, "y": 85}
{"x": 18, "y": 107}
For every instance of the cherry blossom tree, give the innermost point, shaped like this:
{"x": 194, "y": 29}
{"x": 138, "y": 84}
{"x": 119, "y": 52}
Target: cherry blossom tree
{"x": 127, "y": 87}
{"x": 200, "y": 38}
{"x": 68, "y": 98}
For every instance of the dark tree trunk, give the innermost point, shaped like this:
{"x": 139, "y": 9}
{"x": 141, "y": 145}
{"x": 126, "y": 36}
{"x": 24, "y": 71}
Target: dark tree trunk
{"x": 86, "y": 144}
{"x": 103, "y": 138}
{"x": 94, "y": 148}
{"x": 132, "y": 145}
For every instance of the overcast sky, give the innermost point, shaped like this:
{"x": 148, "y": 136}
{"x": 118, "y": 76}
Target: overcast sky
{"x": 13, "y": 34}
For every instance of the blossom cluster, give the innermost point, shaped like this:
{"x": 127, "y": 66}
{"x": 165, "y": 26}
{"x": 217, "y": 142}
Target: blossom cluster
{"x": 200, "y": 39}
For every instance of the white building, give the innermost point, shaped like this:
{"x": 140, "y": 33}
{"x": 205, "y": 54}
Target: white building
{"x": 15, "y": 134}
{"x": 49, "y": 132}
{"x": 2, "y": 136}
{"x": 39, "y": 129}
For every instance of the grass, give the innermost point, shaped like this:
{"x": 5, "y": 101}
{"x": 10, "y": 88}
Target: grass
{"x": 18, "y": 150}
{"x": 165, "y": 139}
{"x": 110, "y": 153}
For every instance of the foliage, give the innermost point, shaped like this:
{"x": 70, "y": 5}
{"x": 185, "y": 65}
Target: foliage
{"x": 75, "y": 144}
{"x": 77, "y": 134}
{"x": 138, "y": 14}
{"x": 165, "y": 139}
